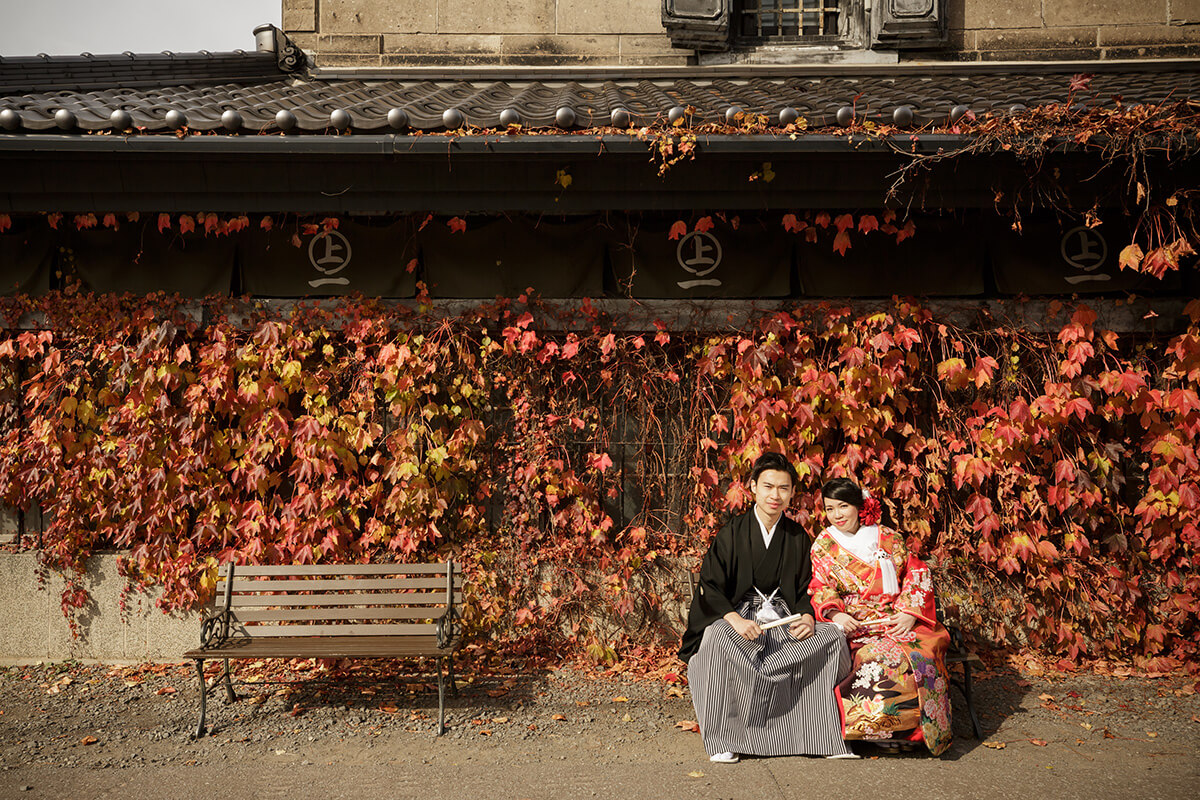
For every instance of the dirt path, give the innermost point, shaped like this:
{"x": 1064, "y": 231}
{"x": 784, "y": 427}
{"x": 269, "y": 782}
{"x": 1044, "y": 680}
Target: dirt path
{"x": 554, "y": 736}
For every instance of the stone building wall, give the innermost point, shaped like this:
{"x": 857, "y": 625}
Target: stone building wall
{"x": 394, "y": 33}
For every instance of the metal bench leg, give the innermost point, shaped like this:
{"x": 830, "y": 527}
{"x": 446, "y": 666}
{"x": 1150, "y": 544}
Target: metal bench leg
{"x": 441, "y": 700}
{"x": 229, "y": 693}
{"x": 968, "y": 693}
{"x": 203, "y": 696}
{"x": 453, "y": 683}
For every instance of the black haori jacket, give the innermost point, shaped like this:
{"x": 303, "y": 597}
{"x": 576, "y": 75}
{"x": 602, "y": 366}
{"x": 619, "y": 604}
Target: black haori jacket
{"x": 736, "y": 562}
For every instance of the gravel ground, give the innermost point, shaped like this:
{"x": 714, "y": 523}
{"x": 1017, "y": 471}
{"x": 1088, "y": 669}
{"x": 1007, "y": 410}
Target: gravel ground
{"x": 66, "y": 727}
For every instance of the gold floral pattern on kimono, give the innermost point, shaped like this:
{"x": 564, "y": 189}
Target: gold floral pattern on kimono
{"x": 898, "y": 688}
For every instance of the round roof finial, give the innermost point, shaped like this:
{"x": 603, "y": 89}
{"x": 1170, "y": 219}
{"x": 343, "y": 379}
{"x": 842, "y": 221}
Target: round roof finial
{"x": 398, "y": 118}
{"x": 120, "y": 120}
{"x": 1017, "y": 108}
{"x": 65, "y": 119}
{"x": 675, "y": 114}
{"x": 788, "y": 115}
{"x": 565, "y": 117}
{"x": 845, "y": 116}
{"x": 10, "y": 120}
{"x": 510, "y": 116}
{"x": 620, "y": 117}
{"x": 453, "y": 119}
{"x": 231, "y": 120}
{"x": 731, "y": 115}
{"x": 285, "y": 120}
{"x": 958, "y": 112}
{"x": 176, "y": 119}
{"x": 339, "y": 119}
{"x": 903, "y": 116}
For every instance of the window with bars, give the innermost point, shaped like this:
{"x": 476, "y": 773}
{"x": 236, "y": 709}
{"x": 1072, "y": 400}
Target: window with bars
{"x": 814, "y": 21}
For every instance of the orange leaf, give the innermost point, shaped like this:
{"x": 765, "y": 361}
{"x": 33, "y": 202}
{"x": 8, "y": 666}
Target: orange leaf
{"x": 677, "y": 230}
{"x": 559, "y": 718}
{"x": 844, "y": 222}
{"x": 457, "y": 225}
{"x": 1130, "y": 258}
{"x": 704, "y": 224}
{"x": 5, "y": 222}
{"x": 688, "y": 725}
{"x": 793, "y": 225}
{"x": 867, "y": 223}
{"x": 1038, "y": 742}
{"x": 186, "y": 223}
{"x": 822, "y": 219}
{"x": 164, "y": 222}
{"x": 266, "y": 223}
{"x": 841, "y": 243}
{"x": 88, "y": 740}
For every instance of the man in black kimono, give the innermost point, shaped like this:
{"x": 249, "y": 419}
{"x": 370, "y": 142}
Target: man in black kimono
{"x": 763, "y": 692}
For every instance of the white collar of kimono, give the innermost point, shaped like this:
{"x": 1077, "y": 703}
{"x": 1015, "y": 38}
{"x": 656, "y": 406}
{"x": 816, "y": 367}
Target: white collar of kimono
{"x": 767, "y": 535}
{"x": 863, "y": 544}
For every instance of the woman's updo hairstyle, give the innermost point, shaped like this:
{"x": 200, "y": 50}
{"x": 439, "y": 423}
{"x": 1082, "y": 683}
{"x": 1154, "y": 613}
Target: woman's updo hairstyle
{"x": 843, "y": 490}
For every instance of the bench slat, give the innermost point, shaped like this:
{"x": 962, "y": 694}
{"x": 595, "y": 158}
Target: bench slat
{"x": 340, "y": 569}
{"x": 325, "y": 647}
{"x": 257, "y": 631}
{"x": 292, "y": 614}
{"x": 268, "y": 600}
{"x": 241, "y": 584}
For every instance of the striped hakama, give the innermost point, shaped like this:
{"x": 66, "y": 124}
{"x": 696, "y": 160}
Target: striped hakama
{"x": 770, "y": 697}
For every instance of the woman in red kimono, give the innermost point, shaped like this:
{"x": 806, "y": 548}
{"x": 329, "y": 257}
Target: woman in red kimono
{"x": 865, "y": 580}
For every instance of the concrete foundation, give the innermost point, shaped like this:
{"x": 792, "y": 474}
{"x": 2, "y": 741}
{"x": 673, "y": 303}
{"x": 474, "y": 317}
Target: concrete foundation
{"x": 34, "y": 628}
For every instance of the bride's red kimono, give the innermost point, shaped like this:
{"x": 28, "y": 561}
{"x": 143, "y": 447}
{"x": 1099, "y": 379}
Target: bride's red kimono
{"x": 898, "y": 688}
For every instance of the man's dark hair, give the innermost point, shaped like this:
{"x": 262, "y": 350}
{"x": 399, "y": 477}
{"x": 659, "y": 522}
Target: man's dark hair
{"x": 845, "y": 490}
{"x": 775, "y": 461}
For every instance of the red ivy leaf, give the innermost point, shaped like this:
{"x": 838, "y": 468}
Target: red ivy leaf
{"x": 110, "y": 221}
{"x": 677, "y": 230}
{"x": 457, "y": 225}
{"x": 266, "y": 223}
{"x": 5, "y": 222}
{"x": 844, "y": 222}
{"x": 841, "y": 243}
{"x": 186, "y": 223}
{"x": 867, "y": 223}
{"x": 1130, "y": 258}
{"x": 1081, "y": 81}
{"x": 164, "y": 222}
{"x": 822, "y": 219}
{"x": 54, "y": 219}
{"x": 600, "y": 461}
{"x": 793, "y": 225}
{"x": 705, "y": 224}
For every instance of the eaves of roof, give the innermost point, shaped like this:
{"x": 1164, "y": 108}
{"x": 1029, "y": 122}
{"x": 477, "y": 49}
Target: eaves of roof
{"x": 476, "y": 102}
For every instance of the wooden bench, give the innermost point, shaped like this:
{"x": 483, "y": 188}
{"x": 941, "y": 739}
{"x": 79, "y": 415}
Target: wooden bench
{"x": 332, "y": 611}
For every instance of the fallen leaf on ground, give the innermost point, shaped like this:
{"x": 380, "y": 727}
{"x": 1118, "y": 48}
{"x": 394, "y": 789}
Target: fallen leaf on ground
{"x": 1086, "y": 725}
{"x": 1152, "y": 734}
{"x": 582, "y": 702}
{"x": 674, "y": 691}
{"x": 620, "y": 699}
{"x": 167, "y": 690}
{"x": 559, "y": 718}
{"x": 388, "y": 709}
{"x": 88, "y": 740}
{"x": 695, "y": 774}
{"x": 1038, "y": 742}
{"x": 1044, "y": 696}
{"x": 688, "y": 725}
{"x": 499, "y": 720}
{"x": 497, "y": 692}
{"x": 1196, "y": 719}
{"x": 485, "y": 733}
{"x": 995, "y": 745}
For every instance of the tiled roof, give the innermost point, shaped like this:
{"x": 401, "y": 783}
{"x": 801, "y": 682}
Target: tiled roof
{"x": 247, "y": 93}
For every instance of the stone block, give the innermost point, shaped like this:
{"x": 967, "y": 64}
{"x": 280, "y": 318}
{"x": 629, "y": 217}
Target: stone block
{"x": 610, "y": 16}
{"x": 379, "y": 16}
{"x": 1103, "y": 12}
{"x": 334, "y": 60}
{"x": 1153, "y": 51}
{"x": 157, "y": 636}
{"x": 1034, "y": 38}
{"x": 534, "y": 60}
{"x": 25, "y": 607}
{"x": 1051, "y": 54}
{"x": 654, "y": 61}
{"x": 649, "y": 46}
{"x": 439, "y": 60}
{"x": 8, "y": 525}
{"x": 499, "y": 16}
{"x": 562, "y": 45}
{"x": 299, "y": 16}
{"x": 974, "y": 14}
{"x": 1148, "y": 34}
{"x": 357, "y": 45}
{"x": 458, "y": 44}
{"x": 1185, "y": 12}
